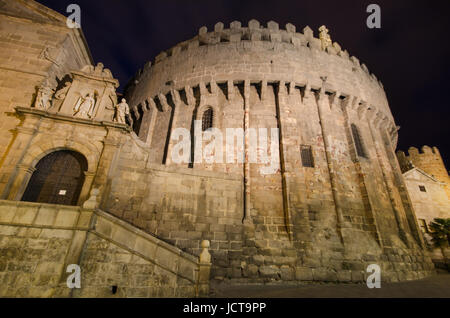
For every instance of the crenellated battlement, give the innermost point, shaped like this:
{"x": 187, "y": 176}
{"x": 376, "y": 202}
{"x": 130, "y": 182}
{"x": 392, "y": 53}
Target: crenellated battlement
{"x": 206, "y": 69}
{"x": 427, "y": 159}
{"x": 264, "y": 153}
{"x": 423, "y": 152}
{"x": 256, "y": 36}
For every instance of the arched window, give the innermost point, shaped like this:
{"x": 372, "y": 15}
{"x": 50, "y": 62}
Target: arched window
{"x": 207, "y": 119}
{"x": 360, "y": 149}
{"x": 58, "y": 179}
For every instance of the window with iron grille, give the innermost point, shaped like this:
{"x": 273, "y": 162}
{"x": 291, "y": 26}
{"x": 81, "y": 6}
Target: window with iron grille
{"x": 422, "y": 188}
{"x": 360, "y": 150}
{"x": 207, "y": 119}
{"x": 307, "y": 156}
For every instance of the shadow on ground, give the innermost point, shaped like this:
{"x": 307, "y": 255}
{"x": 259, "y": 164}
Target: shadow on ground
{"x": 437, "y": 286}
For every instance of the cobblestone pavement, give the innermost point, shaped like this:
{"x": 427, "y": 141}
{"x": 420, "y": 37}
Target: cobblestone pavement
{"x": 437, "y": 286}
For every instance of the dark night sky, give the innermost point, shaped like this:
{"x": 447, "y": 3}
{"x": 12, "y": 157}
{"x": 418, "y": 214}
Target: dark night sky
{"x": 409, "y": 54}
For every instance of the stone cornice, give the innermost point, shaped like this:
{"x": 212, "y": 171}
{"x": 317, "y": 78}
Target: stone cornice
{"x": 113, "y": 81}
{"x": 44, "y": 114}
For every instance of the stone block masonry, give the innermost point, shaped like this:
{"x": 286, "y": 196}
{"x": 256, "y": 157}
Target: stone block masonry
{"x": 39, "y": 241}
{"x": 335, "y": 202}
{"x": 323, "y": 222}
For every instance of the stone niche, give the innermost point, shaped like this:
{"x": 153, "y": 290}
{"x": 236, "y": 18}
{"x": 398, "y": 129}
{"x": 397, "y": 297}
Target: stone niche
{"x": 89, "y": 93}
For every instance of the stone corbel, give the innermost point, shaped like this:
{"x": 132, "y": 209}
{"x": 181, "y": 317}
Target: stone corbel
{"x": 334, "y": 99}
{"x": 263, "y": 90}
{"x": 321, "y": 96}
{"x": 353, "y": 103}
{"x": 190, "y": 96}
{"x": 247, "y": 89}
{"x": 378, "y": 121}
{"x": 291, "y": 88}
{"x": 175, "y": 97}
{"x": 282, "y": 92}
{"x": 308, "y": 92}
{"x": 203, "y": 90}
{"x": 151, "y": 104}
{"x": 214, "y": 88}
{"x": 371, "y": 116}
{"x": 163, "y": 101}
{"x": 230, "y": 89}
{"x": 362, "y": 109}
{"x": 346, "y": 101}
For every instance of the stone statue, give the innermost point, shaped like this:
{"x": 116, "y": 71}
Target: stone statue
{"x": 62, "y": 92}
{"x": 122, "y": 110}
{"x": 44, "y": 97}
{"x": 113, "y": 100}
{"x": 324, "y": 37}
{"x": 84, "y": 107}
{"x": 98, "y": 69}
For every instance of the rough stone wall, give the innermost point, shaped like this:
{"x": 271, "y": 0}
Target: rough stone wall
{"x": 39, "y": 241}
{"x": 38, "y": 135}
{"x": 429, "y": 160}
{"x": 31, "y": 260}
{"x": 184, "y": 206}
{"x": 429, "y": 204}
{"x": 324, "y": 223}
{"x": 36, "y": 46}
{"x": 213, "y": 57}
{"x": 179, "y": 205}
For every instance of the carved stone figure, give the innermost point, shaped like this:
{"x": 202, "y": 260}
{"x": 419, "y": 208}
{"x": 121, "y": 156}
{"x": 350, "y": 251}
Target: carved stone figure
{"x": 84, "y": 107}
{"x": 122, "y": 110}
{"x": 44, "y": 97}
{"x": 112, "y": 100}
{"x": 62, "y": 92}
{"x": 324, "y": 37}
{"x": 46, "y": 55}
{"x": 98, "y": 70}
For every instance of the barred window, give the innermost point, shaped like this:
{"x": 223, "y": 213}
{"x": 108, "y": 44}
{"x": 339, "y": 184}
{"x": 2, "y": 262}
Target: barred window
{"x": 207, "y": 119}
{"x": 360, "y": 150}
{"x": 307, "y": 156}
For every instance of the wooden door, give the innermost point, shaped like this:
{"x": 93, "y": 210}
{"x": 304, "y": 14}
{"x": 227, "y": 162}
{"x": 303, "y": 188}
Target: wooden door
{"x": 58, "y": 179}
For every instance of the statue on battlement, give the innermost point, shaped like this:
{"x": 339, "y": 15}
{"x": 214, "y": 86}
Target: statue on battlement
{"x": 324, "y": 37}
